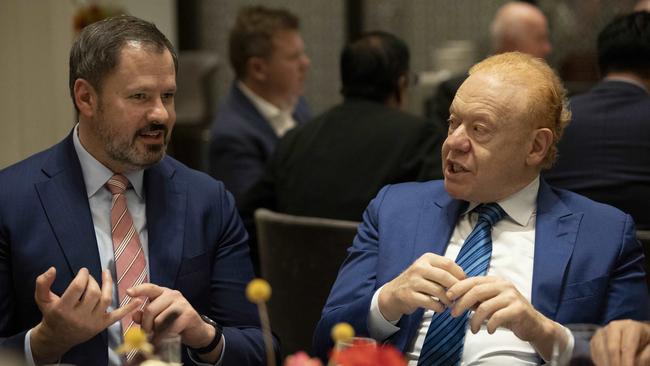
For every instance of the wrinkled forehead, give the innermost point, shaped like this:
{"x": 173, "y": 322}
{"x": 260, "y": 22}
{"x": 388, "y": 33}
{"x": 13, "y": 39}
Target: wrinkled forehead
{"x": 490, "y": 93}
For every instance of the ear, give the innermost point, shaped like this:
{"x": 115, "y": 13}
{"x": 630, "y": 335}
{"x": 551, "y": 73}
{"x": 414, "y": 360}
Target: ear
{"x": 541, "y": 143}
{"x": 85, "y": 97}
{"x": 257, "y": 69}
{"x": 402, "y": 86}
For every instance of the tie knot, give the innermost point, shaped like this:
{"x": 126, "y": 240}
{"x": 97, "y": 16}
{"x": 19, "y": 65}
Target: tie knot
{"x": 117, "y": 184}
{"x": 490, "y": 213}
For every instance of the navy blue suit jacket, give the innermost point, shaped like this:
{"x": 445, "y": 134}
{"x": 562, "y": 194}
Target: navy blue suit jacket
{"x": 605, "y": 151}
{"x": 242, "y": 141}
{"x": 197, "y": 245}
{"x": 587, "y": 266}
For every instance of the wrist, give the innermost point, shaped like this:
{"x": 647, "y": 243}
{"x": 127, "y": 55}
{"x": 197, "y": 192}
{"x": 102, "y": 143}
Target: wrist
{"x": 46, "y": 346}
{"x": 551, "y": 334}
{"x": 385, "y": 308}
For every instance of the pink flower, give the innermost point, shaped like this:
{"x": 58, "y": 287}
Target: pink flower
{"x": 301, "y": 359}
{"x": 364, "y": 354}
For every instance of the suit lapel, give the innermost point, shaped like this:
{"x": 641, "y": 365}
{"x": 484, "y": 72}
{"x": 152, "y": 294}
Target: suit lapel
{"x": 65, "y": 203}
{"x": 436, "y": 223}
{"x": 556, "y": 229}
{"x": 166, "y": 201}
{"x": 254, "y": 117}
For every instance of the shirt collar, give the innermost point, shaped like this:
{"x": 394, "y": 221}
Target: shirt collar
{"x": 268, "y": 110}
{"x": 519, "y": 206}
{"x": 97, "y": 174}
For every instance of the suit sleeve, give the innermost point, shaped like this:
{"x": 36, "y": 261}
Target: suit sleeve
{"x": 231, "y": 272}
{"x": 628, "y": 293}
{"x": 351, "y": 295}
{"x": 10, "y": 338}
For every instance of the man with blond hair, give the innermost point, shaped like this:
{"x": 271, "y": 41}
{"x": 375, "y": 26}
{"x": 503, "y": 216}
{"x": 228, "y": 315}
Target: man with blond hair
{"x": 486, "y": 266}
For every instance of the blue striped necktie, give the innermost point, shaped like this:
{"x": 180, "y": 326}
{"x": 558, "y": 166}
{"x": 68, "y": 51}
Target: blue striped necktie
{"x": 443, "y": 344}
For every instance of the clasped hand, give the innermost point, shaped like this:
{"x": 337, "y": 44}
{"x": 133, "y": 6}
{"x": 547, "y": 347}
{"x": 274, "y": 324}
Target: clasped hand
{"x": 434, "y": 282}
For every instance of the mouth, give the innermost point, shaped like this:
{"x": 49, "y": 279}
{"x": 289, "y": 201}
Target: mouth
{"x": 455, "y": 168}
{"x": 153, "y": 134}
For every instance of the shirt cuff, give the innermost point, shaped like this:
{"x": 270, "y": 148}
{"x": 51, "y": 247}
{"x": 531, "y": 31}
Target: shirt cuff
{"x": 564, "y": 358}
{"x": 29, "y": 359}
{"x": 200, "y": 363}
{"x": 378, "y": 327}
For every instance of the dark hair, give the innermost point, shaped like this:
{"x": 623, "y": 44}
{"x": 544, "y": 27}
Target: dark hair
{"x": 372, "y": 65}
{"x": 253, "y": 32}
{"x": 95, "y": 53}
{"x": 624, "y": 45}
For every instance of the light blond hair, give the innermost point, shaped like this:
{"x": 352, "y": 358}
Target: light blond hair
{"x": 546, "y": 101}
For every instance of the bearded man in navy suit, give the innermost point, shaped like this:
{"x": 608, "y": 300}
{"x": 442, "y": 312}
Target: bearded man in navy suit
{"x": 58, "y": 249}
{"x": 554, "y": 257}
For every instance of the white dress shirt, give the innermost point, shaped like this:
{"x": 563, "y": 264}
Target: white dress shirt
{"x": 281, "y": 120}
{"x": 95, "y": 176}
{"x": 513, "y": 248}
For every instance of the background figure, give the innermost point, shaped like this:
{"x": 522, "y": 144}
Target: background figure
{"x": 264, "y": 102}
{"x": 622, "y": 343}
{"x": 103, "y": 232}
{"x": 333, "y": 166}
{"x": 604, "y": 151}
{"x": 492, "y": 238}
{"x": 517, "y": 26}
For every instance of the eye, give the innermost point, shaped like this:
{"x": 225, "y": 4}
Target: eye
{"x": 168, "y": 96}
{"x": 139, "y": 96}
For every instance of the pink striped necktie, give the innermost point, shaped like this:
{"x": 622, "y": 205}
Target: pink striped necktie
{"x": 130, "y": 265}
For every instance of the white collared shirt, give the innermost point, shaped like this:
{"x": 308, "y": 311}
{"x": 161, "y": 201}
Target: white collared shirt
{"x": 513, "y": 249}
{"x": 281, "y": 120}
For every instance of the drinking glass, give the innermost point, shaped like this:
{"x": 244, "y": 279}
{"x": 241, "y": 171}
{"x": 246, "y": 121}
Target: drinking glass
{"x": 168, "y": 349}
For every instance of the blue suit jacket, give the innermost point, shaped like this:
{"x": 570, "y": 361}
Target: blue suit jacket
{"x": 603, "y": 153}
{"x": 242, "y": 141}
{"x": 197, "y": 245}
{"x": 587, "y": 265}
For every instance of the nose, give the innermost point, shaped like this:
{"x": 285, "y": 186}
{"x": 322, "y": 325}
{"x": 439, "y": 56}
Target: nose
{"x": 457, "y": 140}
{"x": 159, "y": 111}
{"x": 306, "y": 61}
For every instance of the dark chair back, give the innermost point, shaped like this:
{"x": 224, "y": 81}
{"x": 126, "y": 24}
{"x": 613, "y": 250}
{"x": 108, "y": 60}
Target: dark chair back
{"x": 300, "y": 257}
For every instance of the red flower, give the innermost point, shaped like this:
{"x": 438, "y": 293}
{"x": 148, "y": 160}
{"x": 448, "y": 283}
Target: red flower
{"x": 364, "y": 354}
{"x": 301, "y": 359}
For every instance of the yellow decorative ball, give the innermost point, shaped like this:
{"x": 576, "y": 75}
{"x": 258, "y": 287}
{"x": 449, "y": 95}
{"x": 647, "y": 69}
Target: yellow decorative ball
{"x": 258, "y": 291}
{"x": 342, "y": 332}
{"x": 135, "y": 337}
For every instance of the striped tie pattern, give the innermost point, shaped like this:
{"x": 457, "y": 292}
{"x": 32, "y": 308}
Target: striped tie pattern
{"x": 130, "y": 265}
{"x": 443, "y": 344}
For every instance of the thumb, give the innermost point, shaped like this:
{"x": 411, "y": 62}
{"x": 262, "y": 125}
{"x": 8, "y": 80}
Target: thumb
{"x": 44, "y": 282}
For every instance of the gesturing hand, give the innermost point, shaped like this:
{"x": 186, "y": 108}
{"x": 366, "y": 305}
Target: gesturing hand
{"x": 75, "y": 317}
{"x": 169, "y": 312}
{"x": 498, "y": 302}
{"x": 622, "y": 343}
{"x": 429, "y": 276}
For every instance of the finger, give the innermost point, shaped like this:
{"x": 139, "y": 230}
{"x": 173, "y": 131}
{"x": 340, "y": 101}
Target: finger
{"x": 461, "y": 287}
{"x": 123, "y": 311}
{"x": 43, "y": 293}
{"x": 439, "y": 276}
{"x": 153, "y": 309}
{"x": 598, "y": 348}
{"x": 432, "y": 289}
{"x": 137, "y": 316}
{"x": 90, "y": 297}
{"x": 428, "y": 302}
{"x": 629, "y": 345}
{"x": 473, "y": 297}
{"x": 613, "y": 345}
{"x": 147, "y": 290}
{"x": 485, "y": 311}
{"x": 447, "y": 265}
{"x": 75, "y": 290}
{"x": 644, "y": 356}
{"x": 106, "y": 292}
{"x": 167, "y": 322}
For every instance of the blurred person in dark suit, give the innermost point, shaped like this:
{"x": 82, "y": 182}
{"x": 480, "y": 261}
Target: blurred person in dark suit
{"x": 517, "y": 26}
{"x": 332, "y": 166}
{"x": 268, "y": 57}
{"x": 604, "y": 153}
